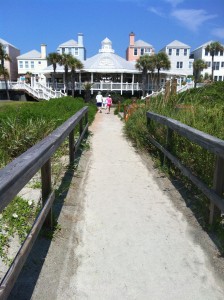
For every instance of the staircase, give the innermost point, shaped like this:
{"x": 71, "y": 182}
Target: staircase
{"x": 38, "y": 91}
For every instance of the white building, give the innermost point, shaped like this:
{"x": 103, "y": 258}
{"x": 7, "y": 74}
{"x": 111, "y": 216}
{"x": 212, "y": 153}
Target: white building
{"x": 179, "y": 56}
{"x": 33, "y": 62}
{"x": 74, "y": 48}
{"x": 11, "y": 66}
{"x": 200, "y": 53}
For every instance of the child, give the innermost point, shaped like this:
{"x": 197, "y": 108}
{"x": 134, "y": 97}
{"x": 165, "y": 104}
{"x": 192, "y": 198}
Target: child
{"x": 109, "y": 103}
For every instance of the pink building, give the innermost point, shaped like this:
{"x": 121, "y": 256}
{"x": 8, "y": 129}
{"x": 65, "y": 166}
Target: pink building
{"x": 138, "y": 48}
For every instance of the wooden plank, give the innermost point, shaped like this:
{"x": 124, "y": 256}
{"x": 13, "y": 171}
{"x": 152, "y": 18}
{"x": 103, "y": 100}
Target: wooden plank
{"x": 71, "y": 146}
{"x": 216, "y": 199}
{"x": 209, "y": 142}
{"x": 46, "y": 189}
{"x": 16, "y": 174}
{"x": 218, "y": 186}
{"x": 11, "y": 276}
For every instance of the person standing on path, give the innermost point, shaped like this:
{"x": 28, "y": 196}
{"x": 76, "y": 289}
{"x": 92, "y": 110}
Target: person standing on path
{"x": 99, "y": 100}
{"x": 109, "y": 103}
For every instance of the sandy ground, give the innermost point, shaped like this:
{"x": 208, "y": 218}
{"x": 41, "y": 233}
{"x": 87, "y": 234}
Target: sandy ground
{"x": 126, "y": 233}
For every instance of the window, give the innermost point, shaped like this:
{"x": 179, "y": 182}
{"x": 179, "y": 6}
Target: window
{"x": 147, "y": 50}
{"x": 26, "y": 64}
{"x": 179, "y": 64}
{"x": 76, "y": 51}
{"x": 216, "y": 65}
{"x": 70, "y": 50}
{"x": 39, "y": 62}
{"x": 142, "y": 51}
{"x": 221, "y": 53}
{"x": 215, "y": 78}
{"x": 206, "y": 53}
{"x": 63, "y": 50}
{"x": 208, "y": 63}
{"x": 170, "y": 52}
{"x": 190, "y": 64}
{"x": 185, "y": 52}
{"x": 135, "y": 51}
{"x": 32, "y": 64}
{"x": 177, "y": 52}
{"x": 220, "y": 78}
{"x": 21, "y": 64}
{"x": 222, "y": 64}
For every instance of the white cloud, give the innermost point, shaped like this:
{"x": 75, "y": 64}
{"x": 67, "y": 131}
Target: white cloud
{"x": 219, "y": 32}
{"x": 192, "y": 18}
{"x": 156, "y": 11}
{"x": 174, "y": 3}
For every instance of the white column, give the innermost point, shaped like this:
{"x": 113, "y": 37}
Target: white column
{"x": 91, "y": 82}
{"x": 121, "y": 83}
{"x": 133, "y": 80}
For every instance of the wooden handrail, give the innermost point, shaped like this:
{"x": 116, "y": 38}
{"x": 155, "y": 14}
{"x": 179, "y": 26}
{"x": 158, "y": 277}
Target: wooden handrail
{"x": 206, "y": 141}
{"x": 18, "y": 173}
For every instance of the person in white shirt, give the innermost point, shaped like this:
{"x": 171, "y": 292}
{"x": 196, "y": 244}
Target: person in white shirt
{"x": 99, "y": 100}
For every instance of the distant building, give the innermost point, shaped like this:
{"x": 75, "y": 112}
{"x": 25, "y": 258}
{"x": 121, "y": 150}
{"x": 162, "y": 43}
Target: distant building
{"x": 201, "y": 53}
{"x": 11, "y": 66}
{"x": 138, "y": 48}
{"x": 33, "y": 62}
{"x": 77, "y": 49}
{"x": 179, "y": 56}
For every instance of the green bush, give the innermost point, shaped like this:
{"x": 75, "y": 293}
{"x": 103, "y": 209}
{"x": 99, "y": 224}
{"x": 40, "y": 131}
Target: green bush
{"x": 23, "y": 125}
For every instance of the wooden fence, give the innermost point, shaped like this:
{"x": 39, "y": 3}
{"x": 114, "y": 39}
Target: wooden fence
{"x": 18, "y": 173}
{"x": 208, "y": 142}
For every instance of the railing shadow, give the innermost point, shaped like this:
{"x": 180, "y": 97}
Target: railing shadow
{"x": 27, "y": 280}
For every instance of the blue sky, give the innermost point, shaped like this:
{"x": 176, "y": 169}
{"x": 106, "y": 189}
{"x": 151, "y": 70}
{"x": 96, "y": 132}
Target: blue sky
{"x": 28, "y": 23}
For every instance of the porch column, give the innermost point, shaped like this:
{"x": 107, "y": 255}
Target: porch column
{"x": 91, "y": 82}
{"x": 133, "y": 80}
{"x": 121, "y": 83}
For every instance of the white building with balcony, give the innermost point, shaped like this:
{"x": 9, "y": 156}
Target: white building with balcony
{"x": 33, "y": 62}
{"x": 179, "y": 56}
{"x": 201, "y": 53}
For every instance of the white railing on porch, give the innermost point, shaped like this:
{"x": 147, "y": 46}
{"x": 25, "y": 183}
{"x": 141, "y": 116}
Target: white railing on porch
{"x": 38, "y": 90}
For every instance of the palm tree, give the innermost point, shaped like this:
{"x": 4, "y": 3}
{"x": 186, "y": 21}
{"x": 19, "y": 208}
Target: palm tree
{"x": 64, "y": 61}
{"x": 145, "y": 63}
{"x": 74, "y": 64}
{"x": 4, "y": 57}
{"x": 198, "y": 66}
{"x": 161, "y": 62}
{"x": 213, "y": 48}
{"x": 54, "y": 58}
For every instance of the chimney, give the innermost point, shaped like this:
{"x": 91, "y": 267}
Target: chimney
{"x": 80, "y": 39}
{"x": 43, "y": 51}
{"x": 131, "y": 39}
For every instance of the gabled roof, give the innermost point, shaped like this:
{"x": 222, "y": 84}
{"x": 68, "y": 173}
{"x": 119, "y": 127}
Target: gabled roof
{"x": 70, "y": 43}
{"x": 109, "y": 62}
{"x": 141, "y": 43}
{"x": 205, "y": 44}
{"x": 177, "y": 44}
{"x": 3, "y": 42}
{"x": 30, "y": 55}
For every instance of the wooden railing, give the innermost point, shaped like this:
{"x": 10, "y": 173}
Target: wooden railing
{"x": 206, "y": 141}
{"x": 18, "y": 173}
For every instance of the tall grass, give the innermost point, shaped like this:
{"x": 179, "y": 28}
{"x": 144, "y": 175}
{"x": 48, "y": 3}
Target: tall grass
{"x": 202, "y": 109}
{"x": 23, "y": 125}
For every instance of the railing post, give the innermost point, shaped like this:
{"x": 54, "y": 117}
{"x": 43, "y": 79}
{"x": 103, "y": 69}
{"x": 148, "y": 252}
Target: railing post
{"x": 169, "y": 135}
{"x": 218, "y": 186}
{"x": 80, "y": 127}
{"x": 46, "y": 190}
{"x": 86, "y": 121}
{"x": 71, "y": 146}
